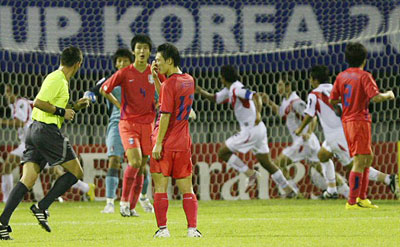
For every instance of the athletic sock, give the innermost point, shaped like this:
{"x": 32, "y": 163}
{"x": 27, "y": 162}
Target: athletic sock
{"x": 373, "y": 174}
{"x": 129, "y": 177}
{"x": 190, "y": 206}
{"x": 344, "y": 190}
{"x": 236, "y": 163}
{"x": 136, "y": 190}
{"x": 364, "y": 185}
{"x": 16, "y": 196}
{"x": 82, "y": 186}
{"x": 161, "y": 209}
{"x": 7, "y": 181}
{"x": 355, "y": 180}
{"x": 112, "y": 181}
{"x": 328, "y": 170}
{"x": 62, "y": 184}
{"x": 145, "y": 185}
{"x": 279, "y": 179}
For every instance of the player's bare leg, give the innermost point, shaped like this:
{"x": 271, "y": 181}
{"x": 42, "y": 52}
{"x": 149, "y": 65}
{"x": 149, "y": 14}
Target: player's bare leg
{"x": 276, "y": 174}
{"x": 134, "y": 156}
{"x": 136, "y": 187}
{"x": 7, "y": 179}
{"x": 144, "y": 201}
{"x": 328, "y": 170}
{"x": 234, "y": 161}
{"x": 161, "y": 204}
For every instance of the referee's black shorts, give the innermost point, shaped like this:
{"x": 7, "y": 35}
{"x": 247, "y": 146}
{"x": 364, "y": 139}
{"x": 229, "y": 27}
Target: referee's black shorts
{"x": 45, "y": 144}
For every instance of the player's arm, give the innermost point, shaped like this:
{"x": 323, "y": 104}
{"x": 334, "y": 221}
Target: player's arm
{"x": 334, "y": 102}
{"x": 154, "y": 73}
{"x": 388, "y": 95}
{"x": 205, "y": 94}
{"x": 163, "y": 127}
{"x": 45, "y": 106}
{"x": 258, "y": 104}
{"x": 12, "y": 123}
{"x": 266, "y": 100}
{"x": 307, "y": 120}
{"x": 110, "y": 97}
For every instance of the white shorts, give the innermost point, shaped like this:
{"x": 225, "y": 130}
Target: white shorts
{"x": 303, "y": 150}
{"x": 19, "y": 151}
{"x": 338, "y": 146}
{"x": 254, "y": 138}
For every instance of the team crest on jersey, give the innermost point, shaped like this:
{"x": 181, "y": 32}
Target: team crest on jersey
{"x": 151, "y": 79}
{"x": 131, "y": 141}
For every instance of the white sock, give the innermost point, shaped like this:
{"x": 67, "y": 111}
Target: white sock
{"x": 331, "y": 190}
{"x": 344, "y": 190}
{"x": 387, "y": 179}
{"x": 373, "y": 174}
{"x": 279, "y": 179}
{"x": 317, "y": 179}
{"x": 110, "y": 200}
{"x": 328, "y": 170}
{"x": 7, "y": 181}
{"x": 236, "y": 163}
{"x": 82, "y": 186}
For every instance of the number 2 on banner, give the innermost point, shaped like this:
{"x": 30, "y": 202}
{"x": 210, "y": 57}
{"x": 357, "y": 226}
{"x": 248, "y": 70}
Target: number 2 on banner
{"x": 182, "y": 107}
{"x": 347, "y": 95}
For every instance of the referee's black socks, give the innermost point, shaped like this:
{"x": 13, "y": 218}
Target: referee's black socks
{"x": 16, "y": 196}
{"x": 62, "y": 184}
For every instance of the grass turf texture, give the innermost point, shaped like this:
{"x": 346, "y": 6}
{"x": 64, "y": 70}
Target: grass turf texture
{"x": 223, "y": 223}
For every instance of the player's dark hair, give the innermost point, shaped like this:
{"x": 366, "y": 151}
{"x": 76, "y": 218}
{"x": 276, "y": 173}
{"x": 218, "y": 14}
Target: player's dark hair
{"x": 141, "y": 38}
{"x": 355, "y": 54}
{"x": 229, "y": 73}
{"x": 70, "y": 56}
{"x": 288, "y": 81}
{"x": 123, "y": 52}
{"x": 168, "y": 50}
{"x": 320, "y": 73}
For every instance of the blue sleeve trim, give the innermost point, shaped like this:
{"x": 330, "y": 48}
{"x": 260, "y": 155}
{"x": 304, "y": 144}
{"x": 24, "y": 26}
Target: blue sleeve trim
{"x": 248, "y": 93}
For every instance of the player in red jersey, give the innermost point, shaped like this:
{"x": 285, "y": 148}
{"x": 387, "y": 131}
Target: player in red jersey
{"x": 354, "y": 88}
{"x": 138, "y": 112}
{"x": 171, "y": 155}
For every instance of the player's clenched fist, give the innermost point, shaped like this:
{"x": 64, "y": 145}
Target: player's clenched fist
{"x": 69, "y": 114}
{"x": 157, "y": 151}
{"x": 154, "y": 69}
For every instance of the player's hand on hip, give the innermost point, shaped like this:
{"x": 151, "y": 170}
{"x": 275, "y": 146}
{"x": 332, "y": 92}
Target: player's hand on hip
{"x": 69, "y": 114}
{"x": 157, "y": 151}
{"x": 82, "y": 103}
{"x": 258, "y": 118}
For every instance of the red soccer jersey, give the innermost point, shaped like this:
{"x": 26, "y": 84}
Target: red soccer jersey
{"x": 137, "y": 93}
{"x": 177, "y": 94}
{"x": 355, "y": 87}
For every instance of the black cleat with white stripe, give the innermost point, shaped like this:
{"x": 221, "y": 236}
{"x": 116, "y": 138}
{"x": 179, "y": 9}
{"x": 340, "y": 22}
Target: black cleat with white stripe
{"x": 5, "y": 232}
{"x": 41, "y": 216}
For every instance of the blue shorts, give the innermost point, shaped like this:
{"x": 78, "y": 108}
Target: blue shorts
{"x": 113, "y": 141}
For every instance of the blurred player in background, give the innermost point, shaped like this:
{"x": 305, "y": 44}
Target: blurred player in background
{"x": 138, "y": 109}
{"x": 247, "y": 106}
{"x": 45, "y": 143}
{"x": 335, "y": 143}
{"x": 171, "y": 156}
{"x": 354, "y": 88}
{"x": 291, "y": 110}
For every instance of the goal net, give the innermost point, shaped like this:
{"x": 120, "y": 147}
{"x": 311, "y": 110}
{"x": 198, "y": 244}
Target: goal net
{"x": 263, "y": 39}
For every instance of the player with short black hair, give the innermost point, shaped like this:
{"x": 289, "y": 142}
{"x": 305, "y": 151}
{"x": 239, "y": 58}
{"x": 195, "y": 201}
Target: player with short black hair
{"x": 46, "y": 144}
{"x": 355, "y": 54}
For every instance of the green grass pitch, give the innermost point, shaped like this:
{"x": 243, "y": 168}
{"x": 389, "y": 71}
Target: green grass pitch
{"x": 223, "y": 223}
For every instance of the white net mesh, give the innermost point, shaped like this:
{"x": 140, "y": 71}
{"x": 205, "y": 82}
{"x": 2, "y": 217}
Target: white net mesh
{"x": 263, "y": 39}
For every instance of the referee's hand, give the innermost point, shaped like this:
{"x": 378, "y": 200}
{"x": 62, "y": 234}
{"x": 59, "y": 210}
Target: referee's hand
{"x": 69, "y": 114}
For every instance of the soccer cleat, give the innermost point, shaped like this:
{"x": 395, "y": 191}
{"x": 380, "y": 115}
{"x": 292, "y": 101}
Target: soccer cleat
{"x": 394, "y": 185}
{"x": 5, "y": 232}
{"x": 194, "y": 233}
{"x": 355, "y": 206}
{"x": 41, "y": 216}
{"x": 328, "y": 196}
{"x": 108, "y": 209}
{"x": 366, "y": 203}
{"x": 146, "y": 205}
{"x": 124, "y": 211}
{"x": 91, "y": 192}
{"x": 162, "y": 233}
{"x": 134, "y": 213}
{"x": 251, "y": 181}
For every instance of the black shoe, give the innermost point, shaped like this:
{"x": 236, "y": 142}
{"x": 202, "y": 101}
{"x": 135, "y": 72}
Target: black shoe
{"x": 41, "y": 216}
{"x": 328, "y": 196}
{"x": 5, "y": 232}
{"x": 394, "y": 184}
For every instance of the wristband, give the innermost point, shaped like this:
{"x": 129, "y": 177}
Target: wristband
{"x": 59, "y": 112}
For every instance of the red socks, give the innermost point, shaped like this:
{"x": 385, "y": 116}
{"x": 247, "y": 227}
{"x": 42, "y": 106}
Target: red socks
{"x": 355, "y": 181}
{"x": 190, "y": 207}
{"x": 136, "y": 189}
{"x": 161, "y": 208}
{"x": 364, "y": 185}
{"x": 129, "y": 177}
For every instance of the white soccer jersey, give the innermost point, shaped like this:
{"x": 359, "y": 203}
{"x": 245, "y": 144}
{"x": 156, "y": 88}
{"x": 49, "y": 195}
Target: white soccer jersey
{"x": 22, "y": 110}
{"x": 292, "y": 110}
{"x": 318, "y": 103}
{"x": 242, "y": 103}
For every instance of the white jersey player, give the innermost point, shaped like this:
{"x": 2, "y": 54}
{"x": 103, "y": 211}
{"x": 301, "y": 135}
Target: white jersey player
{"x": 335, "y": 143}
{"x": 253, "y": 134}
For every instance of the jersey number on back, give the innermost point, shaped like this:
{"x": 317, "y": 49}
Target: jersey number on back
{"x": 346, "y": 96}
{"x": 182, "y": 107}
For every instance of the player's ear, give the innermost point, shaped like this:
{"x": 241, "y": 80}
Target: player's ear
{"x": 170, "y": 61}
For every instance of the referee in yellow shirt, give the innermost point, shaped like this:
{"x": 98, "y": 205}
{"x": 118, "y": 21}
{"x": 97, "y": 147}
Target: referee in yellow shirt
{"x": 46, "y": 144}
